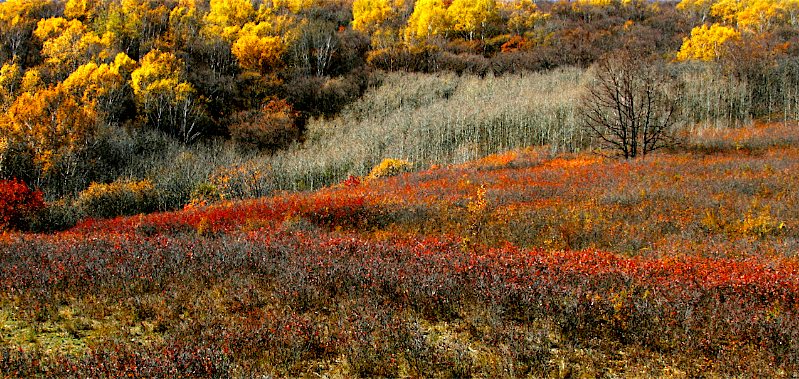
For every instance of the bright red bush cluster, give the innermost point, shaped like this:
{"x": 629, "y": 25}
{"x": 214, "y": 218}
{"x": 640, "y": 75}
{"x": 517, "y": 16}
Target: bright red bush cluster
{"x": 18, "y": 204}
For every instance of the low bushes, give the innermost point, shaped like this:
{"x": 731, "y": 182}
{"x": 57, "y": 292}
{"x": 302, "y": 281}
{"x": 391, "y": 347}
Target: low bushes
{"x": 18, "y": 204}
{"x": 390, "y": 167}
{"x": 118, "y": 199}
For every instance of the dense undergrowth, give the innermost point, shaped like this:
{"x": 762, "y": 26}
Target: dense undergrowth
{"x": 426, "y": 119}
{"x": 521, "y": 264}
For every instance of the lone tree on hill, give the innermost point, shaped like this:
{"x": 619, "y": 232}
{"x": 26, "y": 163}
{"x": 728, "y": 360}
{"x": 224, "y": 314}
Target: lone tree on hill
{"x": 630, "y": 105}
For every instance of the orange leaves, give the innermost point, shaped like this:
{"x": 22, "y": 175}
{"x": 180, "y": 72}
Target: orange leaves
{"x": 51, "y": 122}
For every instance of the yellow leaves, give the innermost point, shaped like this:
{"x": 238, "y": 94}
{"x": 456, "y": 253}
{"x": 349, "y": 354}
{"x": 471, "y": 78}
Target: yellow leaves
{"x": 80, "y": 9}
{"x": 228, "y": 13}
{"x": 51, "y": 122}
{"x": 10, "y": 80}
{"x": 436, "y": 17}
{"x": 92, "y": 83}
{"x": 233, "y": 19}
{"x": 369, "y": 15}
{"x": 123, "y": 64}
{"x": 478, "y": 203}
{"x": 472, "y": 16}
{"x": 754, "y": 16}
{"x": 727, "y": 10}
{"x": 15, "y": 12}
{"x": 163, "y": 96}
{"x": 759, "y": 15}
{"x": 707, "y": 43}
{"x": 159, "y": 73}
{"x": 428, "y": 19}
{"x": 185, "y": 21}
{"x": 32, "y": 80}
{"x": 183, "y": 91}
{"x": 52, "y": 27}
{"x": 390, "y": 167}
{"x": 67, "y": 44}
{"x": 258, "y": 53}
{"x": 523, "y": 15}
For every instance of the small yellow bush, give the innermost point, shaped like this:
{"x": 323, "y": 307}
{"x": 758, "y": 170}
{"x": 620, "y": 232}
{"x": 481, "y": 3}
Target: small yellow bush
{"x": 390, "y": 167}
{"x": 203, "y": 194}
{"x": 760, "y": 224}
{"x": 118, "y": 199}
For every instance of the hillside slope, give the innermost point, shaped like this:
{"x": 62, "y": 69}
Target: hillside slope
{"x": 524, "y": 264}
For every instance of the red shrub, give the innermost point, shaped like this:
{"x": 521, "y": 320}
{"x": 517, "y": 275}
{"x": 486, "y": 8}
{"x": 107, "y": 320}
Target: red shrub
{"x": 18, "y": 204}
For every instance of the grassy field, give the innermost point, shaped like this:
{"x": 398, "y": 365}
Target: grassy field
{"x": 523, "y": 263}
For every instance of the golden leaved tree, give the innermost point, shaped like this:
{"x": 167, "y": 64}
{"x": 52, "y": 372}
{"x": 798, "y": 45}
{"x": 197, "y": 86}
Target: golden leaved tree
{"x": 226, "y": 17}
{"x": 759, "y": 15}
{"x": 103, "y": 85}
{"x": 380, "y": 19}
{"x": 66, "y": 44}
{"x": 522, "y": 15}
{"x": 472, "y": 17}
{"x": 429, "y": 18}
{"x": 256, "y": 49}
{"x": 10, "y": 81}
{"x": 53, "y": 125}
{"x": 17, "y": 19}
{"x": 707, "y": 43}
{"x": 164, "y": 98}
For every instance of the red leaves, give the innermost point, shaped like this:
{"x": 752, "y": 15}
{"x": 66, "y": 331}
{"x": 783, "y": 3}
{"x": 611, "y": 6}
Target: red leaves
{"x": 18, "y": 204}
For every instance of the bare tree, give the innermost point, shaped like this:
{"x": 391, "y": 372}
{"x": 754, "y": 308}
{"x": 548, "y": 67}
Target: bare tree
{"x": 630, "y": 105}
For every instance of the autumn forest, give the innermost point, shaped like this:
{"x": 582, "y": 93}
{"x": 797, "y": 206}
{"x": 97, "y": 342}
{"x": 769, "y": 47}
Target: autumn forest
{"x": 399, "y": 188}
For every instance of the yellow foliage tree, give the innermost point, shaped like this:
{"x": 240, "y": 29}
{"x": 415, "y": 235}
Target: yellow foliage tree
{"x": 759, "y": 15}
{"x": 17, "y": 19}
{"x": 522, "y": 15}
{"x": 369, "y": 15}
{"x": 51, "y": 123}
{"x": 68, "y": 44}
{"x": 257, "y": 51}
{"x": 102, "y": 85}
{"x": 133, "y": 26}
{"x": 185, "y": 21}
{"x": 707, "y": 43}
{"x": 429, "y": 18}
{"x": 226, "y": 17}
{"x": 472, "y": 16}
{"x": 80, "y": 9}
{"x": 727, "y": 11}
{"x": 32, "y": 81}
{"x": 164, "y": 97}
{"x": 10, "y": 81}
